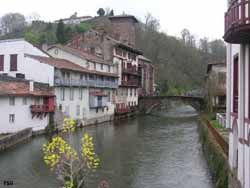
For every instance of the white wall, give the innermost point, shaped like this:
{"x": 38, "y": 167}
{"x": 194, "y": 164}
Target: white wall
{"x": 58, "y": 53}
{"x": 23, "y": 115}
{"x": 85, "y": 111}
{"x": 33, "y": 69}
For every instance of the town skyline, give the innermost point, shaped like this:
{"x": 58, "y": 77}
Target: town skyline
{"x": 198, "y": 22}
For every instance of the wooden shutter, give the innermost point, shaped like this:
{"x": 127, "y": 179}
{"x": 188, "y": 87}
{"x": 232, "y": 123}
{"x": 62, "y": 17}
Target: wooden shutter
{"x": 13, "y": 62}
{"x": 1, "y": 62}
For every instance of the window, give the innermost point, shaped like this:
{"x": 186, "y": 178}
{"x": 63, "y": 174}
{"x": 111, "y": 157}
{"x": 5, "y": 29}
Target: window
{"x": 135, "y": 92}
{"x": 24, "y": 100}
{"x": 37, "y": 101}
{"x": 222, "y": 78}
{"x": 71, "y": 94}
{"x": 12, "y": 101}
{"x": 131, "y": 92}
{"x": 12, "y": 118}
{"x": 62, "y": 94}
{"x": 80, "y": 93}
{"x": 1, "y": 62}
{"x": 101, "y": 66}
{"x": 13, "y": 62}
{"x": 109, "y": 68}
{"x": 78, "y": 110}
{"x": 56, "y": 51}
{"x": 109, "y": 96}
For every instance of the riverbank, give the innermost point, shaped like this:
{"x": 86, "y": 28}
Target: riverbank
{"x": 215, "y": 154}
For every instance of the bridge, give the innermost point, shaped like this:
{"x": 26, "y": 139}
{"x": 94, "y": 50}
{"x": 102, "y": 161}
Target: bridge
{"x": 154, "y": 103}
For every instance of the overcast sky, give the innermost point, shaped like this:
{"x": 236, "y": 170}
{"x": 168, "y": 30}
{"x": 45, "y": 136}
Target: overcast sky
{"x": 201, "y": 17}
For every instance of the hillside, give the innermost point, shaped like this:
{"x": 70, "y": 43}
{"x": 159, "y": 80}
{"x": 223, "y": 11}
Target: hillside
{"x": 180, "y": 63}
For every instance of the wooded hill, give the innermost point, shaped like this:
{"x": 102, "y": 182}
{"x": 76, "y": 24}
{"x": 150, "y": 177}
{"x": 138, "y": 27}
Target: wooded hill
{"x": 180, "y": 63}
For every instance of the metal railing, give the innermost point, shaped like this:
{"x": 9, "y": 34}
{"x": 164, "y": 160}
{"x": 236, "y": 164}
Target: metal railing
{"x": 86, "y": 83}
{"x": 41, "y": 108}
{"x": 238, "y": 15}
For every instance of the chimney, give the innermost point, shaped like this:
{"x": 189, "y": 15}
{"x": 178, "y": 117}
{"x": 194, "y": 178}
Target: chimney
{"x": 31, "y": 86}
{"x": 45, "y": 47}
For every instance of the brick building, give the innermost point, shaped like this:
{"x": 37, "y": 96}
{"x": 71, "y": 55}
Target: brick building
{"x": 147, "y": 76}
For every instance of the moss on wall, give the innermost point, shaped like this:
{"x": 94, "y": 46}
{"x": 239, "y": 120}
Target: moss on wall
{"x": 217, "y": 161}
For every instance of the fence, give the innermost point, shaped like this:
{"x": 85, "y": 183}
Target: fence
{"x": 219, "y": 139}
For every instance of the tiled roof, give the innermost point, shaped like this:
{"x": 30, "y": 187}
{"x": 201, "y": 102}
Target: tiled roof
{"x": 144, "y": 58}
{"x": 67, "y": 65}
{"x": 123, "y": 16}
{"x": 21, "y": 88}
{"x": 80, "y": 53}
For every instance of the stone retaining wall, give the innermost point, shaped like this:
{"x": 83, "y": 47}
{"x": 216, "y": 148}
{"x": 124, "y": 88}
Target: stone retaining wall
{"x": 13, "y": 139}
{"x": 216, "y": 158}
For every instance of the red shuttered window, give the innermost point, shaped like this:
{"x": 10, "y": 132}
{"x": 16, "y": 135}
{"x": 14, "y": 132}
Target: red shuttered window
{"x": 13, "y": 62}
{"x": 1, "y": 62}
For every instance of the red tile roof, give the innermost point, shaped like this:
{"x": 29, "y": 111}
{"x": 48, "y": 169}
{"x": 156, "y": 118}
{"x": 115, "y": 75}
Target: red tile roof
{"x": 67, "y": 65}
{"x": 15, "y": 88}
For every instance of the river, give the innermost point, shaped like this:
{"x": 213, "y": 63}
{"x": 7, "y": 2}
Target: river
{"x": 159, "y": 151}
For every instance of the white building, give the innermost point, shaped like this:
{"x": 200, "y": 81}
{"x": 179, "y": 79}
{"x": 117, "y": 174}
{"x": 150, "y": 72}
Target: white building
{"x": 24, "y": 104}
{"x": 74, "y": 19}
{"x": 237, "y": 29}
{"x": 216, "y": 85}
{"x": 82, "y": 93}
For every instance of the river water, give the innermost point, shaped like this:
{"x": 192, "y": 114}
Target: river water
{"x": 159, "y": 151}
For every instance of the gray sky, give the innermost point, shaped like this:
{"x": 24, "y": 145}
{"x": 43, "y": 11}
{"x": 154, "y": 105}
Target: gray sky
{"x": 201, "y": 17}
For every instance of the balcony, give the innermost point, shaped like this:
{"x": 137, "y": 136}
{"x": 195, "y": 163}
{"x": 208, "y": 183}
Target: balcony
{"x": 130, "y": 70}
{"x": 44, "y": 108}
{"x": 237, "y": 22}
{"x": 87, "y": 83}
{"x": 130, "y": 83}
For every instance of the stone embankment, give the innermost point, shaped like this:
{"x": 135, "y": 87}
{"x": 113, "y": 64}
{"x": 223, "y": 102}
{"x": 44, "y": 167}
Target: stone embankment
{"x": 10, "y": 140}
{"x": 215, "y": 149}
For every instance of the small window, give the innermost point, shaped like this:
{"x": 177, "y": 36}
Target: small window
{"x": 109, "y": 96}
{"x": 101, "y": 66}
{"x": 109, "y": 68}
{"x": 60, "y": 107}
{"x": 78, "y": 110}
{"x": 135, "y": 92}
{"x": 80, "y": 93}
{"x": 1, "y": 62}
{"x": 71, "y": 95}
{"x": 13, "y": 62}
{"x": 56, "y": 51}
{"x": 12, "y": 101}
{"x": 62, "y": 93}
{"x": 131, "y": 92}
{"x": 24, "y": 100}
{"x": 12, "y": 118}
{"x": 37, "y": 101}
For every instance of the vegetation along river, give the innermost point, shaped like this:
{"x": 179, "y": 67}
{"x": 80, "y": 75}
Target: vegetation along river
{"x": 158, "y": 151}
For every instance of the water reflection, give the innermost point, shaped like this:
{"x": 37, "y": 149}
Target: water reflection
{"x": 149, "y": 151}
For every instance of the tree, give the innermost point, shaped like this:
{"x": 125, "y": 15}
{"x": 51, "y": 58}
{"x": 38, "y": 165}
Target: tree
{"x": 13, "y": 22}
{"x": 101, "y": 12}
{"x": 71, "y": 168}
{"x": 111, "y": 13}
{"x": 60, "y": 32}
{"x": 218, "y": 49}
{"x": 33, "y": 17}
